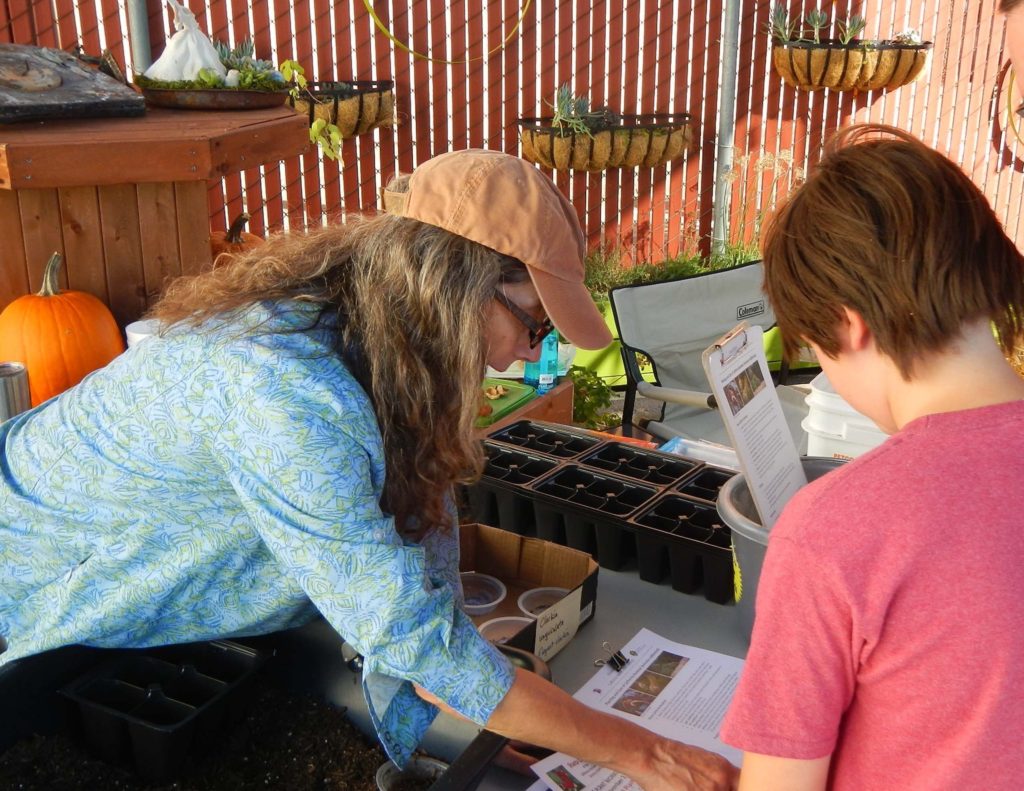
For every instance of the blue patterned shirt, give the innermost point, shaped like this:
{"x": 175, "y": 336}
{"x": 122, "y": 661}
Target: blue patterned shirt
{"x": 224, "y": 482}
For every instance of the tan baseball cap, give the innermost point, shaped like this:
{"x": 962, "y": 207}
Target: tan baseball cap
{"x": 506, "y": 204}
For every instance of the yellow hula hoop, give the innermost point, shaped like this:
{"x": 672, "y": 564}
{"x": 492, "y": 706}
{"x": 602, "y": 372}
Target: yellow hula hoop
{"x": 368, "y": 5}
{"x": 1011, "y": 113}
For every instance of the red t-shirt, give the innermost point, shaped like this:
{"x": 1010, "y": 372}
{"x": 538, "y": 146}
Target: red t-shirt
{"x": 890, "y": 614}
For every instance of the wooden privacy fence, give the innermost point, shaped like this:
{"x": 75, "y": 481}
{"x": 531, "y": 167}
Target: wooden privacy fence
{"x": 485, "y": 65}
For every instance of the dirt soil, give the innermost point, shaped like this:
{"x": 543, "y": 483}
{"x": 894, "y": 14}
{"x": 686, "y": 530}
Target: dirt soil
{"x": 286, "y": 741}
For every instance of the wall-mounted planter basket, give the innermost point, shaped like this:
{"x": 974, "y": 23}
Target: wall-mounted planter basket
{"x": 857, "y": 66}
{"x": 635, "y": 141}
{"x": 355, "y": 107}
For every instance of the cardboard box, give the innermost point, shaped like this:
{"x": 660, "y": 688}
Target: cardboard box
{"x": 523, "y": 563}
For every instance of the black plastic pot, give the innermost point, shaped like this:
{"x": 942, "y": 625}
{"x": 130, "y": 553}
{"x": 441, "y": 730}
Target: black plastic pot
{"x": 151, "y": 708}
{"x": 593, "y": 507}
{"x": 706, "y": 484}
{"x": 659, "y": 469}
{"x": 690, "y": 542}
{"x": 551, "y": 439}
{"x": 500, "y": 497}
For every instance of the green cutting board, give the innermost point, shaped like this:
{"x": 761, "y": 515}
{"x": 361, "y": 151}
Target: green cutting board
{"x": 517, "y": 395}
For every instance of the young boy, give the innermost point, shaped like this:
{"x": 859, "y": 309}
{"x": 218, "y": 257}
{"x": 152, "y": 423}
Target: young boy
{"x": 888, "y": 648}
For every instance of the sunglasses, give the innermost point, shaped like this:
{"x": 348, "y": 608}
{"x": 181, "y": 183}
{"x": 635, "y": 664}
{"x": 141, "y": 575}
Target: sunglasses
{"x": 539, "y": 330}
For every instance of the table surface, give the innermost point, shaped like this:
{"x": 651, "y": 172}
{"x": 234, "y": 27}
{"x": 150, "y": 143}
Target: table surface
{"x": 625, "y": 604}
{"x": 161, "y": 146}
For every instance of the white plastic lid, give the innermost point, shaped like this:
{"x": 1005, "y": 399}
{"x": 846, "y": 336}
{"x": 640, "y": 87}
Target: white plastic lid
{"x": 140, "y": 330}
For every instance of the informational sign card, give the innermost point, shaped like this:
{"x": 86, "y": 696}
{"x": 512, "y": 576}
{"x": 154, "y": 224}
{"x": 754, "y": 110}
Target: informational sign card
{"x": 679, "y": 691}
{"x": 742, "y": 384}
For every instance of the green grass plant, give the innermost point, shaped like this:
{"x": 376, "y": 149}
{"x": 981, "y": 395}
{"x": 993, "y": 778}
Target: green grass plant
{"x": 605, "y": 268}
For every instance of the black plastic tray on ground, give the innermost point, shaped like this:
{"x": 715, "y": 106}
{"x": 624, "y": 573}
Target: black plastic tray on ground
{"x": 34, "y": 700}
{"x": 587, "y": 509}
{"x": 688, "y": 541}
{"x": 149, "y": 708}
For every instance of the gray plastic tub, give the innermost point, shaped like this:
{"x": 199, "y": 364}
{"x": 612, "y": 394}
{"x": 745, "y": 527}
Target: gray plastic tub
{"x": 749, "y": 538}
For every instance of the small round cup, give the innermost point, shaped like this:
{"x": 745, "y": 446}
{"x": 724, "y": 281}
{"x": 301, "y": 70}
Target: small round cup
{"x": 536, "y": 600}
{"x": 422, "y": 768}
{"x": 481, "y": 592}
{"x": 500, "y": 630}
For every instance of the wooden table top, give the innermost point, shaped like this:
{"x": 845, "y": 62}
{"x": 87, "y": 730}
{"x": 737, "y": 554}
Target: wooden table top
{"x": 161, "y": 146}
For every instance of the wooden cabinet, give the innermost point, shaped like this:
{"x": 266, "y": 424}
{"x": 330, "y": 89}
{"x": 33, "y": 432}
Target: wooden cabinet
{"x": 555, "y": 406}
{"x": 124, "y": 199}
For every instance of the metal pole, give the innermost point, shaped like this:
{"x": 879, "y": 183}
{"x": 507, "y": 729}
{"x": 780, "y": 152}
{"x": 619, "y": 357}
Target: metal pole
{"x": 138, "y": 35}
{"x": 726, "y": 126}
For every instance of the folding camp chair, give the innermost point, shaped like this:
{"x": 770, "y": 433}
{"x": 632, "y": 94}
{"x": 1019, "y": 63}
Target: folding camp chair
{"x": 671, "y": 323}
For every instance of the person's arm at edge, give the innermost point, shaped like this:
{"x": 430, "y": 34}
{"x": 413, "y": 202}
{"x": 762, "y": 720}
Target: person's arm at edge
{"x": 538, "y": 712}
{"x": 771, "y": 773}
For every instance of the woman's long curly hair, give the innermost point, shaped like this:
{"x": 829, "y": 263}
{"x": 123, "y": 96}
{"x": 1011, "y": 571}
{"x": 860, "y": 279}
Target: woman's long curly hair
{"x": 411, "y": 301}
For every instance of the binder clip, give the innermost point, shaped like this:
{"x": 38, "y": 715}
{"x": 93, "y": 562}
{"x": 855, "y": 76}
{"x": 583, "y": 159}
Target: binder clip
{"x": 616, "y": 660}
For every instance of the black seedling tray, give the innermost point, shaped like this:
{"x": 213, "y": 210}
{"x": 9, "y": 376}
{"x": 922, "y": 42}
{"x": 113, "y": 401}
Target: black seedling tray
{"x": 573, "y": 488}
{"x": 706, "y": 484}
{"x": 689, "y": 541}
{"x": 591, "y": 507}
{"x": 660, "y": 469}
{"x": 551, "y": 439}
{"x": 503, "y": 500}
{"x": 150, "y": 708}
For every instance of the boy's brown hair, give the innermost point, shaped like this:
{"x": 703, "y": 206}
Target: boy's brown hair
{"x": 1006, "y": 6}
{"x": 897, "y": 232}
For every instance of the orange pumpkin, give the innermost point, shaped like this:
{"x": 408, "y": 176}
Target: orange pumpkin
{"x": 60, "y": 336}
{"x": 234, "y": 240}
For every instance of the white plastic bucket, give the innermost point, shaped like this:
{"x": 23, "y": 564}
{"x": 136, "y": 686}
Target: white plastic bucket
{"x": 834, "y": 428}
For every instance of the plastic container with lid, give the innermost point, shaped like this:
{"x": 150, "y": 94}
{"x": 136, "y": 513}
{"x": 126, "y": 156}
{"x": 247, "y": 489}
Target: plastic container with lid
{"x": 834, "y": 428}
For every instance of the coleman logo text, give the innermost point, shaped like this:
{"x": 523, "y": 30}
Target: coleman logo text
{"x": 750, "y": 309}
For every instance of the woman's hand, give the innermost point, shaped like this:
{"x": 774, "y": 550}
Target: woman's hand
{"x": 675, "y": 766}
{"x": 539, "y": 713}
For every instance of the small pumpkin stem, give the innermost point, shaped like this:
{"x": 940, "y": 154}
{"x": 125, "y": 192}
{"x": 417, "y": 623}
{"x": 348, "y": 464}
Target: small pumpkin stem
{"x": 234, "y": 234}
{"x": 51, "y": 286}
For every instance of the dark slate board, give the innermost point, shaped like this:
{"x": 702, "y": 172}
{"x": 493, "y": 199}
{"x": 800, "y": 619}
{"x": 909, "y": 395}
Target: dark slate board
{"x": 37, "y": 83}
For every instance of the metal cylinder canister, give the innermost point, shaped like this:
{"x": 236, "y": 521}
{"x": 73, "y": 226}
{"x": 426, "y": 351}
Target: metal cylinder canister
{"x": 14, "y": 396}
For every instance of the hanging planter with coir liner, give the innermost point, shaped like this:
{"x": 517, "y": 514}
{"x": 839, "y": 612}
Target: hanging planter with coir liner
{"x": 647, "y": 140}
{"x": 858, "y": 65}
{"x": 809, "y": 62}
{"x": 355, "y": 107}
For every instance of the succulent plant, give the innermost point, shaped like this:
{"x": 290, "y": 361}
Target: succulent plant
{"x": 851, "y": 28}
{"x": 817, "y": 20}
{"x": 242, "y": 57}
{"x": 781, "y": 27}
{"x": 572, "y": 114}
